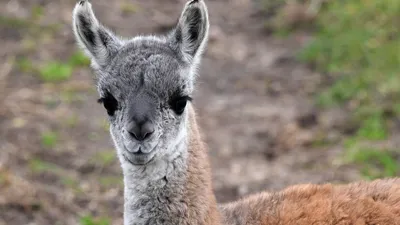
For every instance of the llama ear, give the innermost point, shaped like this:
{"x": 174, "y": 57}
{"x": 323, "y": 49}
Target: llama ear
{"x": 191, "y": 34}
{"x": 97, "y": 41}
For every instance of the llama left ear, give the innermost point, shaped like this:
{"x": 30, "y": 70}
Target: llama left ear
{"x": 97, "y": 41}
{"x": 191, "y": 33}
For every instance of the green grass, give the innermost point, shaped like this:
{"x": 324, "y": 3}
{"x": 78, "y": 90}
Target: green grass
{"x": 14, "y": 22}
{"x": 78, "y": 59}
{"x": 49, "y": 139}
{"x": 360, "y": 40}
{"x": 37, "y": 11}
{"x": 358, "y": 43}
{"x": 374, "y": 162}
{"x": 89, "y": 220}
{"x": 55, "y": 72}
{"x": 373, "y": 128}
{"x": 72, "y": 183}
{"x": 111, "y": 181}
{"x": 40, "y": 166}
{"x": 50, "y": 72}
{"x": 104, "y": 158}
{"x": 25, "y": 65}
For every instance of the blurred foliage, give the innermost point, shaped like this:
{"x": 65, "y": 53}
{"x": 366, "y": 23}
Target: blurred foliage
{"x": 374, "y": 162}
{"x": 284, "y": 16}
{"x": 55, "y": 72}
{"x": 108, "y": 182}
{"x": 358, "y": 42}
{"x": 37, "y": 12}
{"x": 49, "y": 139}
{"x": 40, "y": 166}
{"x": 13, "y": 22}
{"x": 104, "y": 158}
{"x": 89, "y": 220}
{"x": 360, "y": 39}
{"x": 78, "y": 59}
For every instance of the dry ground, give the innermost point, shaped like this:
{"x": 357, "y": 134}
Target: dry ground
{"x": 254, "y": 102}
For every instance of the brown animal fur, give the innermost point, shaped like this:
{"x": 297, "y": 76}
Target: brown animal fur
{"x": 202, "y": 203}
{"x": 360, "y": 203}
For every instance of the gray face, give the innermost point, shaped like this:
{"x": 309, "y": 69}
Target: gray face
{"x": 145, "y": 90}
{"x": 145, "y": 83}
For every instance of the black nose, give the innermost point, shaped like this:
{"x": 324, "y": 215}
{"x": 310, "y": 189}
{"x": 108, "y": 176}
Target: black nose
{"x": 141, "y": 130}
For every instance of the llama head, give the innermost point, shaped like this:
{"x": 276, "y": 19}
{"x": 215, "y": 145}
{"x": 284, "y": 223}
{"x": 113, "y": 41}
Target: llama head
{"x": 145, "y": 82}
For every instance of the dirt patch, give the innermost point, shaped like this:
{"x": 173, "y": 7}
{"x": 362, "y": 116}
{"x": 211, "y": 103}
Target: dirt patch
{"x": 254, "y": 102}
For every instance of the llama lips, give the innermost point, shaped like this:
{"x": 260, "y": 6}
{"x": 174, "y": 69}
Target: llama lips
{"x": 138, "y": 158}
{"x": 139, "y": 152}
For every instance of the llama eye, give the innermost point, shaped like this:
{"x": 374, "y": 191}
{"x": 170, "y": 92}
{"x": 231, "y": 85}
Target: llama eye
{"x": 179, "y": 104}
{"x": 109, "y": 103}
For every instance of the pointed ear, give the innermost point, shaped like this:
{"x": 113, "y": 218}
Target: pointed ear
{"x": 97, "y": 41}
{"x": 191, "y": 34}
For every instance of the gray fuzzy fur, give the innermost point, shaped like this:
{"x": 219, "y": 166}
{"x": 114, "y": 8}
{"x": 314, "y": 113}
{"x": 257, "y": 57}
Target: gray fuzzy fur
{"x": 151, "y": 68}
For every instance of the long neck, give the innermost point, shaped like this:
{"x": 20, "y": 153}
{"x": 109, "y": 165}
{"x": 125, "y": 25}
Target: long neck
{"x": 174, "y": 191}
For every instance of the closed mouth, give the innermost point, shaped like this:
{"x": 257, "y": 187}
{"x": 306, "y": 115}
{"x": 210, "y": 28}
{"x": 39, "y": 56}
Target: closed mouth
{"x": 138, "y": 158}
{"x": 140, "y": 152}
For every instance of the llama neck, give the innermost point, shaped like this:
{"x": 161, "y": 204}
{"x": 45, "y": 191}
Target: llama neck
{"x": 173, "y": 191}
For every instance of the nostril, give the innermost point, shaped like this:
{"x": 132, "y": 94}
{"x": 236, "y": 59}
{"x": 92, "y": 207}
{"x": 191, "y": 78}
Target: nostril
{"x": 141, "y": 132}
{"x": 146, "y": 135}
{"x": 147, "y": 130}
{"x": 133, "y": 134}
{"x": 134, "y": 130}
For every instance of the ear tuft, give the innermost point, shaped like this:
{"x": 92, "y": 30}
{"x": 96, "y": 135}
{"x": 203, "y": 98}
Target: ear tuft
{"x": 100, "y": 43}
{"x": 86, "y": 31}
{"x": 191, "y": 33}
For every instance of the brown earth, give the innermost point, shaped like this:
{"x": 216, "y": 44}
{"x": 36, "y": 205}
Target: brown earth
{"x": 254, "y": 100}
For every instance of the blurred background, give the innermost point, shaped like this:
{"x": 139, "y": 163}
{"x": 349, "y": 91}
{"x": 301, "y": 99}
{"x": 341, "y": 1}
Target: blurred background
{"x": 290, "y": 91}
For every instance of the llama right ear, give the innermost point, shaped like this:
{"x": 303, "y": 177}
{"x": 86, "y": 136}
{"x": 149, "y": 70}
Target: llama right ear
{"x": 97, "y": 41}
{"x": 191, "y": 34}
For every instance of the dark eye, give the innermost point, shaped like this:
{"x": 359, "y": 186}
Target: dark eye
{"x": 109, "y": 103}
{"x": 178, "y": 104}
